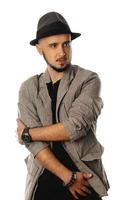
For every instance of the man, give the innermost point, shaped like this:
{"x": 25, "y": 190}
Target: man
{"x": 58, "y": 111}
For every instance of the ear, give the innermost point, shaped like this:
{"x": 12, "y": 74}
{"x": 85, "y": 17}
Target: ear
{"x": 39, "y": 49}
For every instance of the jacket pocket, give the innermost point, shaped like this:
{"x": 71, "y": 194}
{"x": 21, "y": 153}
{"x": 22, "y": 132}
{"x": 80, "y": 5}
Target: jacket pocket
{"x": 88, "y": 147}
{"x": 32, "y": 165}
{"x": 94, "y": 153}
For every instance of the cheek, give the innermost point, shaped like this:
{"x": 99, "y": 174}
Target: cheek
{"x": 49, "y": 55}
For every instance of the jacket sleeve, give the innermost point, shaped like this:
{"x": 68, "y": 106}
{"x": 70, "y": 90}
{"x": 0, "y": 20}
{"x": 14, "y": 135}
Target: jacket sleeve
{"x": 28, "y": 114}
{"x": 85, "y": 109}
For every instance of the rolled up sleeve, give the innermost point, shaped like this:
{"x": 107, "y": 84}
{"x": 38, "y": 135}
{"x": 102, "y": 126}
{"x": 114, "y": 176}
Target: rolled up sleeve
{"x": 28, "y": 114}
{"x": 85, "y": 109}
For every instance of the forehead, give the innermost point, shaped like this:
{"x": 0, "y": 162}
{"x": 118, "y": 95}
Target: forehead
{"x": 56, "y": 39}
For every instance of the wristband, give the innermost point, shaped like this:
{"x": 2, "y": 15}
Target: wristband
{"x": 72, "y": 180}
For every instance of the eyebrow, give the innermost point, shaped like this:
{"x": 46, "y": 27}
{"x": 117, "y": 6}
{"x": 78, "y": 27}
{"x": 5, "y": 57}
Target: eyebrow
{"x": 67, "y": 41}
{"x": 52, "y": 43}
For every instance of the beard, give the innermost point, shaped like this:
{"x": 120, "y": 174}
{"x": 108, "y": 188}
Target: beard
{"x": 54, "y": 67}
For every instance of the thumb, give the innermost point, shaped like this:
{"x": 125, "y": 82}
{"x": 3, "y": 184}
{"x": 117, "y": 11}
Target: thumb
{"x": 87, "y": 175}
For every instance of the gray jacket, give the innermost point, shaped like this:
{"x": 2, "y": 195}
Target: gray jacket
{"x": 78, "y": 107}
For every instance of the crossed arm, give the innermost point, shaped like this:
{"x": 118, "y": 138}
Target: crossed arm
{"x": 80, "y": 118}
{"x": 47, "y": 159}
{"x": 55, "y": 132}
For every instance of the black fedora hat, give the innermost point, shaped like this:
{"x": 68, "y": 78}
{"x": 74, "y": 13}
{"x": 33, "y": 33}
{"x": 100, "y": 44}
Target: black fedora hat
{"x": 50, "y": 24}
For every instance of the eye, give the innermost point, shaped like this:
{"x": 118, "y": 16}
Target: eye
{"x": 53, "y": 45}
{"x": 67, "y": 44}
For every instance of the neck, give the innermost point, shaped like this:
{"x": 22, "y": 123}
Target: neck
{"x": 54, "y": 75}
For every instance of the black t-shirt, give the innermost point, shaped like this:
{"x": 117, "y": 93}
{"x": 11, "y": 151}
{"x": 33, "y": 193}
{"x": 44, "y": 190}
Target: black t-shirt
{"x": 57, "y": 147}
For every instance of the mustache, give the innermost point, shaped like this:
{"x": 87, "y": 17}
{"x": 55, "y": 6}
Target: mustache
{"x": 62, "y": 58}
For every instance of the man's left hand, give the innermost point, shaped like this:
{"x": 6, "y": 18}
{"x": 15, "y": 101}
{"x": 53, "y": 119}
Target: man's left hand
{"x": 19, "y": 131}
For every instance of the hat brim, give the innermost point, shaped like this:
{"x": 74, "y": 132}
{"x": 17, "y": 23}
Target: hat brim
{"x": 73, "y": 36}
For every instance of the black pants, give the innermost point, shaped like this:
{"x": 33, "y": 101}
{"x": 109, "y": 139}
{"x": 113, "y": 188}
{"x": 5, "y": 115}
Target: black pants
{"x": 52, "y": 189}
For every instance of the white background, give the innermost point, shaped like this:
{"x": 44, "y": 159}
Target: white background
{"x": 106, "y": 46}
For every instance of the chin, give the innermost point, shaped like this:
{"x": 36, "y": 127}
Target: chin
{"x": 60, "y": 68}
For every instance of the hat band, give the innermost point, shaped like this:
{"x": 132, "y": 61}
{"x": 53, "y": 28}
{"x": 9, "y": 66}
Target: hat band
{"x": 53, "y": 29}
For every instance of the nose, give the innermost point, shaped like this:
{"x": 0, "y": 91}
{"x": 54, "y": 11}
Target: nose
{"x": 61, "y": 51}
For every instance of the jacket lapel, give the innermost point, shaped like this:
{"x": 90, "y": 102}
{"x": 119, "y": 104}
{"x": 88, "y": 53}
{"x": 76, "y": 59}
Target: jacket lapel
{"x": 64, "y": 86}
{"x": 45, "y": 98}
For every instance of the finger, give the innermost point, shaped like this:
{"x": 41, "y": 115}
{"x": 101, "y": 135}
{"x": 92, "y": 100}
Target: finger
{"x": 87, "y": 175}
{"x": 86, "y": 190}
{"x": 81, "y": 192}
{"x": 74, "y": 194}
{"x": 86, "y": 182}
{"x": 19, "y": 140}
{"x": 20, "y": 127}
{"x": 19, "y": 122}
{"x": 19, "y": 132}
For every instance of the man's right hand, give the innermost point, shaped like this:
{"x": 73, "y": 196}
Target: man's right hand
{"x": 81, "y": 186}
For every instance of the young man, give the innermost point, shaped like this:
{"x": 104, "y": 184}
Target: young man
{"x": 58, "y": 111}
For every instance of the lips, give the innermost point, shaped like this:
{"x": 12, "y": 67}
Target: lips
{"x": 61, "y": 59}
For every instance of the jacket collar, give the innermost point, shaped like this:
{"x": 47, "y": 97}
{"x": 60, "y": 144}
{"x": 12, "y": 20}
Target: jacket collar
{"x": 62, "y": 90}
{"x": 68, "y": 75}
